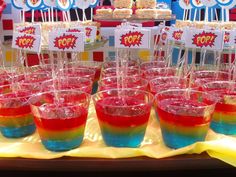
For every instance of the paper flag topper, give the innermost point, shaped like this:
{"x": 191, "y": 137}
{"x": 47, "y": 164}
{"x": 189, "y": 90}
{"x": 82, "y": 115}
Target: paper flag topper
{"x": 137, "y": 38}
{"x": 93, "y": 3}
{"x": 20, "y": 4}
{"x": 209, "y": 3}
{"x": 26, "y": 42}
{"x": 196, "y": 4}
{"x": 50, "y": 3}
{"x": 224, "y": 2}
{"x": 64, "y": 5}
{"x": 66, "y": 41}
{"x": 205, "y": 39}
{"x": 34, "y": 4}
{"x": 185, "y": 4}
{"x": 83, "y": 4}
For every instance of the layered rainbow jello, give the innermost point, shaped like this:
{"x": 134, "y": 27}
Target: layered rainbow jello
{"x": 184, "y": 116}
{"x": 123, "y": 116}
{"x": 224, "y": 116}
{"x": 16, "y": 119}
{"x": 60, "y": 118}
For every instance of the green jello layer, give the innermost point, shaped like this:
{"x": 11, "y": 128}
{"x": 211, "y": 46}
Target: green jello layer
{"x": 16, "y": 121}
{"x": 61, "y": 135}
{"x": 225, "y": 117}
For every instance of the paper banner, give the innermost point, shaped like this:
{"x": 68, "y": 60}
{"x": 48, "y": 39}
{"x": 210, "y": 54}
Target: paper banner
{"x": 203, "y": 39}
{"x": 66, "y": 41}
{"x": 26, "y": 42}
{"x": 138, "y": 38}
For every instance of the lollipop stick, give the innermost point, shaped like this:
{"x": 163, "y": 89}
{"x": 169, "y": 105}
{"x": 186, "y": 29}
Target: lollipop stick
{"x": 195, "y": 15}
{"x": 32, "y": 16}
{"x": 184, "y": 14}
{"x": 42, "y": 16}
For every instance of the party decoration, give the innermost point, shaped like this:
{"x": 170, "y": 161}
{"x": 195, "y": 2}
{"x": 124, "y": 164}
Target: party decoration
{"x": 185, "y": 4}
{"x": 26, "y": 42}
{"x": 64, "y": 5}
{"x": 66, "y": 41}
{"x": 34, "y": 4}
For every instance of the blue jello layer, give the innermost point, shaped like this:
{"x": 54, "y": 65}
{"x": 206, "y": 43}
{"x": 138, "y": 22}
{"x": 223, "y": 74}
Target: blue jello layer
{"x": 58, "y": 146}
{"x": 18, "y": 132}
{"x": 176, "y": 141}
{"x": 224, "y": 128}
{"x": 131, "y": 141}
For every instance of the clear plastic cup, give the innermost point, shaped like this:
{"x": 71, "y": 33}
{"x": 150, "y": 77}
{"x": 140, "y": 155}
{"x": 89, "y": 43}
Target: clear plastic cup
{"x": 128, "y": 82}
{"x": 68, "y": 83}
{"x": 157, "y": 72}
{"x": 224, "y": 116}
{"x": 113, "y": 72}
{"x": 202, "y": 77}
{"x": 152, "y": 64}
{"x": 79, "y": 72}
{"x": 123, "y": 116}
{"x": 113, "y": 64}
{"x": 60, "y": 118}
{"x": 165, "y": 83}
{"x": 16, "y": 119}
{"x": 184, "y": 116}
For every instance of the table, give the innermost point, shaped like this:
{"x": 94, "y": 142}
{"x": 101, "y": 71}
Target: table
{"x": 65, "y": 164}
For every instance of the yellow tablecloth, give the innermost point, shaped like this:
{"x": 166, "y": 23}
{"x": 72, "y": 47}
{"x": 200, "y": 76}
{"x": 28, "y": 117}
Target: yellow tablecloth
{"x": 216, "y": 145}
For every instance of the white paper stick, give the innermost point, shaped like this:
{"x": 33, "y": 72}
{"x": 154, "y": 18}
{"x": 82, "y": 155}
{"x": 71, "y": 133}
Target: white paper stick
{"x": 56, "y": 15}
{"x": 77, "y": 15}
{"x": 49, "y": 16}
{"x": 91, "y": 15}
{"x": 190, "y": 14}
{"x": 23, "y": 15}
{"x": 52, "y": 13}
{"x": 42, "y": 16}
{"x": 200, "y": 15}
{"x": 216, "y": 14}
{"x": 195, "y": 14}
{"x": 212, "y": 18}
{"x": 32, "y": 16}
{"x": 68, "y": 16}
{"x": 227, "y": 14}
{"x": 184, "y": 15}
{"x": 206, "y": 15}
{"x": 222, "y": 14}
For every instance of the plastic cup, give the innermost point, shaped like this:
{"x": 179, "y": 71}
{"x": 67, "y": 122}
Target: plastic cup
{"x": 60, "y": 118}
{"x": 113, "y": 64}
{"x": 202, "y": 77}
{"x": 165, "y": 83}
{"x": 128, "y": 82}
{"x": 184, "y": 116}
{"x": 157, "y": 72}
{"x": 152, "y": 64}
{"x": 112, "y": 72}
{"x": 224, "y": 116}
{"x": 123, "y": 116}
{"x": 79, "y": 72}
{"x": 16, "y": 119}
{"x": 68, "y": 83}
